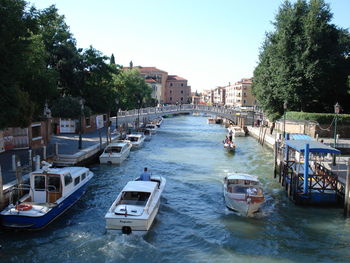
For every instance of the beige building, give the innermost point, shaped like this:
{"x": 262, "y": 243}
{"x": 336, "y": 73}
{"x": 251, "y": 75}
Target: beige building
{"x": 177, "y": 91}
{"x": 219, "y": 96}
{"x": 240, "y": 94}
{"x": 160, "y": 78}
{"x": 156, "y": 89}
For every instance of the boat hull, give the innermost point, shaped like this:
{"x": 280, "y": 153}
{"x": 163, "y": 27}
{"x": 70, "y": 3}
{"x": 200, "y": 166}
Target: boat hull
{"x": 242, "y": 205}
{"x": 37, "y": 222}
{"x": 113, "y": 158}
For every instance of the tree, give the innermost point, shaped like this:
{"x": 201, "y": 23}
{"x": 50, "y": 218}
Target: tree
{"x": 304, "y": 61}
{"x": 17, "y": 25}
{"x": 132, "y": 90}
{"x": 112, "y": 61}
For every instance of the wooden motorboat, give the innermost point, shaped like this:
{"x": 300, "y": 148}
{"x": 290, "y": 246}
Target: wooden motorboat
{"x": 243, "y": 193}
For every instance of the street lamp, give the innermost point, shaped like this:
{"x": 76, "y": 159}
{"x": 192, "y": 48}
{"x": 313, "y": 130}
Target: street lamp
{"x": 116, "y": 115}
{"x": 336, "y": 111}
{"x": 285, "y": 105}
{"x": 81, "y": 102}
{"x": 138, "y": 114}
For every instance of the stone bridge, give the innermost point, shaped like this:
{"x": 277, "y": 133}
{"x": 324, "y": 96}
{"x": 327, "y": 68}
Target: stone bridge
{"x": 145, "y": 115}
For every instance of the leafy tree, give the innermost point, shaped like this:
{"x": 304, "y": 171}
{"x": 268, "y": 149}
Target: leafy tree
{"x": 17, "y": 25}
{"x": 112, "y": 60}
{"x": 132, "y": 90}
{"x": 304, "y": 61}
{"x": 69, "y": 107}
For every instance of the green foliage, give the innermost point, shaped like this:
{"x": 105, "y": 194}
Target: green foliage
{"x": 322, "y": 118}
{"x": 132, "y": 90}
{"x": 69, "y": 107}
{"x": 304, "y": 61}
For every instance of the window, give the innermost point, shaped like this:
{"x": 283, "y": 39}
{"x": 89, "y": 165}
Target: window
{"x": 171, "y": 84}
{"x": 171, "y": 91}
{"x": 67, "y": 179}
{"x": 83, "y": 176}
{"x": 182, "y": 92}
{"x": 244, "y": 101}
{"x": 171, "y": 98}
{"x": 182, "y": 98}
{"x": 39, "y": 182}
{"x": 54, "y": 184}
{"x": 76, "y": 180}
{"x": 36, "y": 131}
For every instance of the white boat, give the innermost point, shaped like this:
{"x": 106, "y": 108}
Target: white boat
{"x": 116, "y": 152}
{"x": 158, "y": 121}
{"x": 148, "y": 134}
{"x": 243, "y": 193}
{"x": 136, "y": 206}
{"x": 136, "y": 139}
{"x": 50, "y": 192}
{"x": 236, "y": 131}
{"x": 152, "y": 127}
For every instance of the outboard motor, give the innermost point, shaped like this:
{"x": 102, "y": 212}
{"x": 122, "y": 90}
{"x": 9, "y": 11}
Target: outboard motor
{"x": 126, "y": 230}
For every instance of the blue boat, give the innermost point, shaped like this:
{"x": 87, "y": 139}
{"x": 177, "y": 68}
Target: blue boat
{"x": 50, "y": 192}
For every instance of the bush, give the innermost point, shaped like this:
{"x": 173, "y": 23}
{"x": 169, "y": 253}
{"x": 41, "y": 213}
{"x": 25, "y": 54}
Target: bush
{"x": 321, "y": 118}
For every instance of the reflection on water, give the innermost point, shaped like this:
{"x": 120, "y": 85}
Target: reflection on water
{"x": 193, "y": 224}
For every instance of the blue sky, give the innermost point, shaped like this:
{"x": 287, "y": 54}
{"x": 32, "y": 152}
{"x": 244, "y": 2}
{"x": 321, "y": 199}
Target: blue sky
{"x": 208, "y": 42}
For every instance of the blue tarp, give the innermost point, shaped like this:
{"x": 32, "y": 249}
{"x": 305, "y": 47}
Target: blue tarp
{"x": 314, "y": 147}
{"x": 299, "y": 136}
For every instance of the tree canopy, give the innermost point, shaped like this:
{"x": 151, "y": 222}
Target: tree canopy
{"x": 41, "y": 63}
{"x": 304, "y": 61}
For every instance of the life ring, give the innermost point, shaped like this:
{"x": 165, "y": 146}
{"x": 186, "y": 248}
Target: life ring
{"x": 23, "y": 207}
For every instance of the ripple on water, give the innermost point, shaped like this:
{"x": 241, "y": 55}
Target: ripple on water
{"x": 193, "y": 224}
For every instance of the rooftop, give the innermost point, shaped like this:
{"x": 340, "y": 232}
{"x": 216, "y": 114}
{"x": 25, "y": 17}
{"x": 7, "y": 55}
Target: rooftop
{"x": 175, "y": 77}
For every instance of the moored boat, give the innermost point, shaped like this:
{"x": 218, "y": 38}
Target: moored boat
{"x": 243, "y": 193}
{"x": 51, "y": 192}
{"x": 152, "y": 127}
{"x": 116, "y": 152}
{"x": 148, "y": 134}
{"x": 136, "y": 139}
{"x": 136, "y": 206}
{"x": 236, "y": 131}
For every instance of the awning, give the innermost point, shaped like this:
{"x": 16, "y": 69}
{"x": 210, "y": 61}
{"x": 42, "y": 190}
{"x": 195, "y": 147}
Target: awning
{"x": 314, "y": 147}
{"x": 299, "y": 136}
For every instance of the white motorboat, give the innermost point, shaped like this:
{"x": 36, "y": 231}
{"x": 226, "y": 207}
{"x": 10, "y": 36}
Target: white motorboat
{"x": 152, "y": 127}
{"x": 51, "y": 191}
{"x": 148, "y": 134}
{"x": 136, "y": 139}
{"x": 236, "y": 131}
{"x": 243, "y": 193}
{"x": 136, "y": 206}
{"x": 116, "y": 152}
{"x": 159, "y": 121}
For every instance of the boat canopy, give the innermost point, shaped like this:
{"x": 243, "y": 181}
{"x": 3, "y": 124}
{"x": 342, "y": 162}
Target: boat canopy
{"x": 243, "y": 177}
{"x": 140, "y": 186}
{"x": 299, "y": 136}
{"x": 314, "y": 146}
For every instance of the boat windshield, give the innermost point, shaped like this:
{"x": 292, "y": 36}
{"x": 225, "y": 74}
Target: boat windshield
{"x": 135, "y": 198}
{"x": 115, "y": 149}
{"x": 133, "y": 139}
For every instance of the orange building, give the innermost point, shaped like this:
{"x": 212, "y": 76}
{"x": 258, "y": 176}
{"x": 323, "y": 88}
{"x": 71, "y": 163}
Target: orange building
{"x": 177, "y": 91}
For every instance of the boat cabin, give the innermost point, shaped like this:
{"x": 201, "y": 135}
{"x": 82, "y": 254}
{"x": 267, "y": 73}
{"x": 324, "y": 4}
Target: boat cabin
{"x": 47, "y": 186}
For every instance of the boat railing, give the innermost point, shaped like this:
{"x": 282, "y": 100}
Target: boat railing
{"x": 19, "y": 190}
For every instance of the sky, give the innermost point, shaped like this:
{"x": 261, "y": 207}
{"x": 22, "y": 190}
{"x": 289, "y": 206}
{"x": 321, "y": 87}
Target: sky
{"x": 208, "y": 42}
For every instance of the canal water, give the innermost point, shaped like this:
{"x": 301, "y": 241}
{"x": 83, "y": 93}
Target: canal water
{"x": 193, "y": 224}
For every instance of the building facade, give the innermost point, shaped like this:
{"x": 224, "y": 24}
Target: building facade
{"x": 219, "y": 96}
{"x": 240, "y": 94}
{"x": 177, "y": 90}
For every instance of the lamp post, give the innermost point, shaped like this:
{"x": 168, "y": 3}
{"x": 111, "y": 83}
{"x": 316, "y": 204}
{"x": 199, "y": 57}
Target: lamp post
{"x": 81, "y": 102}
{"x": 285, "y": 105}
{"x": 138, "y": 114}
{"x": 336, "y": 111}
{"x": 116, "y": 115}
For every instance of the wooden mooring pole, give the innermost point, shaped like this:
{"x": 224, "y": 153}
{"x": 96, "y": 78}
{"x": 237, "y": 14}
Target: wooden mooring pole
{"x": 2, "y": 197}
{"x": 347, "y": 192}
{"x": 275, "y": 159}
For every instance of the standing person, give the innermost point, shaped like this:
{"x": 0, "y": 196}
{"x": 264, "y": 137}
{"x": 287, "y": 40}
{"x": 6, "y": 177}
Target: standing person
{"x": 145, "y": 176}
{"x": 230, "y": 135}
